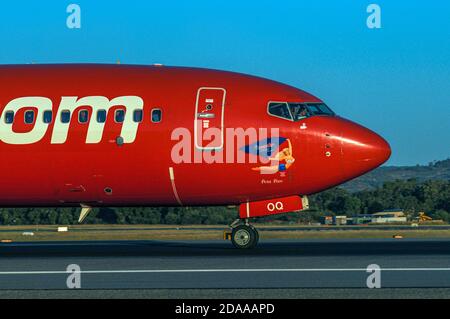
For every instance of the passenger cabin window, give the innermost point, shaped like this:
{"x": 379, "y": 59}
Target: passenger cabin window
{"x": 156, "y": 115}
{"x": 65, "y": 116}
{"x": 137, "y": 116}
{"x": 280, "y": 109}
{"x": 119, "y": 116}
{"x": 9, "y": 117}
{"x": 101, "y": 116}
{"x": 83, "y": 116}
{"x": 47, "y": 117}
{"x": 29, "y": 117}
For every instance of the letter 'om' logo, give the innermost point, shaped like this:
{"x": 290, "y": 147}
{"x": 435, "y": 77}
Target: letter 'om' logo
{"x": 60, "y": 129}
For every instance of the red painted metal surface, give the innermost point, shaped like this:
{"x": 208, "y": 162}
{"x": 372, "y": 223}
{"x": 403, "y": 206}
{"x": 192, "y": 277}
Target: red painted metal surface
{"x": 271, "y": 207}
{"x": 328, "y": 150}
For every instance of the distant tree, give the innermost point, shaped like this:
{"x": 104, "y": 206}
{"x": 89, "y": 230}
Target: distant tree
{"x": 441, "y": 214}
{"x": 52, "y": 217}
{"x": 375, "y": 206}
{"x": 4, "y": 217}
{"x": 172, "y": 218}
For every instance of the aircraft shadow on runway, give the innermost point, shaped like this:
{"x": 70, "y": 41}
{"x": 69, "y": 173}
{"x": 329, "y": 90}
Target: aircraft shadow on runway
{"x": 220, "y": 248}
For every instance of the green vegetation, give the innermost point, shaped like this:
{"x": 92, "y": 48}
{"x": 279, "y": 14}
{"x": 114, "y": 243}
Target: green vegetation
{"x": 132, "y": 215}
{"x": 436, "y": 170}
{"x": 432, "y": 197}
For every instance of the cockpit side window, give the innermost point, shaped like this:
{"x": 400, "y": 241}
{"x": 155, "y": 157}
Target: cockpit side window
{"x": 279, "y": 109}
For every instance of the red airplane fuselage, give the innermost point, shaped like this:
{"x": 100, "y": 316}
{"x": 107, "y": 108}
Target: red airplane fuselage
{"x": 106, "y": 135}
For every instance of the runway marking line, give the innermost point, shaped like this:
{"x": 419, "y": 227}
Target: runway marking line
{"x": 215, "y": 270}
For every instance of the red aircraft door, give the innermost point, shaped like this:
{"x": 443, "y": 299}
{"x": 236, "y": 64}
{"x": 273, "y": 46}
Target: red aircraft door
{"x": 209, "y": 118}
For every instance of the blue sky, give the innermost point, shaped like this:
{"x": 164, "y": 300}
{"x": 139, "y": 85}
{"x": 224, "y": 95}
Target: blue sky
{"x": 394, "y": 80}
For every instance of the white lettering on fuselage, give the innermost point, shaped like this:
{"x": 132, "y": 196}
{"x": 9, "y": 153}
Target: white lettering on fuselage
{"x": 7, "y": 135}
{"x": 60, "y": 129}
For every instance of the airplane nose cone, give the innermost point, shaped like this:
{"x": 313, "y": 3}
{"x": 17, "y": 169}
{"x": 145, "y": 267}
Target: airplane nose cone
{"x": 362, "y": 150}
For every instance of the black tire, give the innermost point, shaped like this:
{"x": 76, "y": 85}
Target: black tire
{"x": 244, "y": 237}
{"x": 256, "y": 232}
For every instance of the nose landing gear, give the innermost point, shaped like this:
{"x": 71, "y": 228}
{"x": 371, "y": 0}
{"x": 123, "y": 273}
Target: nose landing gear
{"x": 244, "y": 235}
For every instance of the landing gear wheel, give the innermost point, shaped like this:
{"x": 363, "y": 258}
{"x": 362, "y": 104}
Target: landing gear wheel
{"x": 244, "y": 237}
{"x": 257, "y": 234}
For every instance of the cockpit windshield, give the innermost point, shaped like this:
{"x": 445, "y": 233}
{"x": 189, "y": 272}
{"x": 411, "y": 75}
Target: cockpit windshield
{"x": 298, "y": 111}
{"x": 319, "y": 109}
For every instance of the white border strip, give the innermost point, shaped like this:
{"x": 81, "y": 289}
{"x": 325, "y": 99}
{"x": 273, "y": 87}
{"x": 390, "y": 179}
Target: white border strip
{"x": 174, "y": 187}
{"x": 248, "y": 209}
{"x": 216, "y": 270}
{"x": 222, "y": 119}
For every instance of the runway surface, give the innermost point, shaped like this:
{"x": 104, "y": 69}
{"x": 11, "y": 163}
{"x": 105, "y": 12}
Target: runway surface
{"x": 201, "y": 269}
{"x": 280, "y": 264}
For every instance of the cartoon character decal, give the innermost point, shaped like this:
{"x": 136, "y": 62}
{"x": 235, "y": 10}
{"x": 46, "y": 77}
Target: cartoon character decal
{"x": 280, "y": 162}
{"x": 284, "y": 160}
